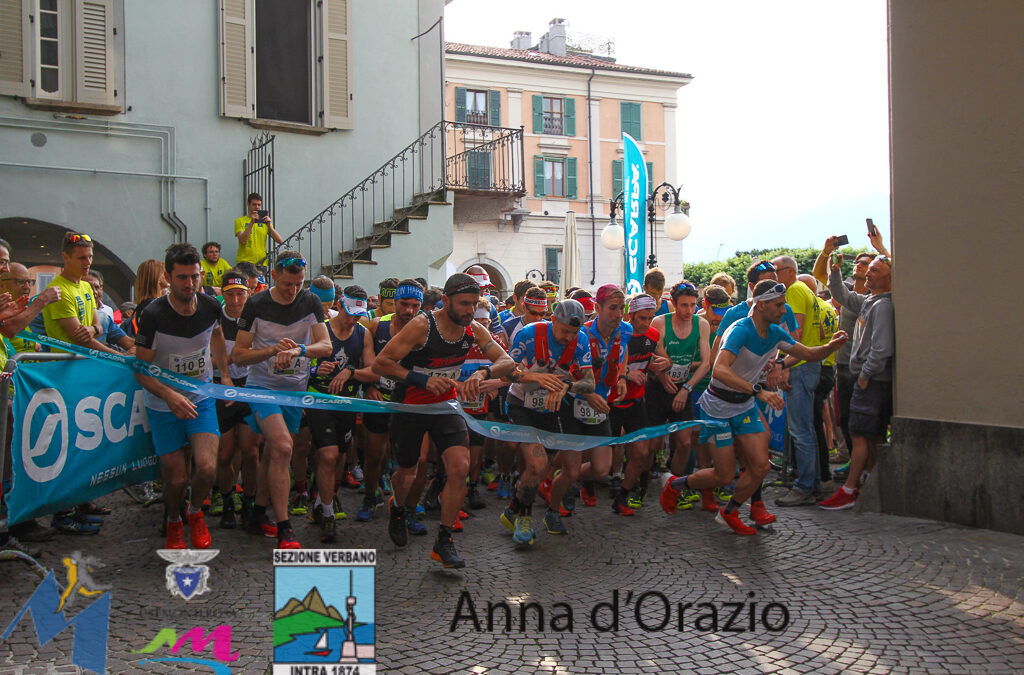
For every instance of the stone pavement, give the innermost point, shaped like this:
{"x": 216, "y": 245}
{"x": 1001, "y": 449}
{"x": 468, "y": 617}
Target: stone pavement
{"x": 863, "y": 593}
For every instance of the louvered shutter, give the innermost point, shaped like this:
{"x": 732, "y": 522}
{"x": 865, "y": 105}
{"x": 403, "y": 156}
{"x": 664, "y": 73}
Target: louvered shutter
{"x": 494, "y": 107}
{"x": 569, "y": 116}
{"x": 237, "y": 72}
{"x": 337, "y": 22}
{"x": 94, "y": 51}
{"x": 538, "y": 114}
{"x": 14, "y": 38}
{"x": 616, "y": 177}
{"x": 570, "y": 177}
{"x": 460, "y": 104}
{"x": 538, "y": 176}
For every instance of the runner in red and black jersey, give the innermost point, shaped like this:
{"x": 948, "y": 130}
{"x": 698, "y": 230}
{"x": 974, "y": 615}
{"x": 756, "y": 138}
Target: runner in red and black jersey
{"x": 426, "y": 358}
{"x": 629, "y": 413}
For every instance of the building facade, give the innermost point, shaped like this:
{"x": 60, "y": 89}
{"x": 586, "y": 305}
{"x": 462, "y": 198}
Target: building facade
{"x": 130, "y": 121}
{"x": 573, "y": 107}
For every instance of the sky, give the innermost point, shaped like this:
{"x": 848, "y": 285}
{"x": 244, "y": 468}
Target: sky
{"x": 783, "y": 135}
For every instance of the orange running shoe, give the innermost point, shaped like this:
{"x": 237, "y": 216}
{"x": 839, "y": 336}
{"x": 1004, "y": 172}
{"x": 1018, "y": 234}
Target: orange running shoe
{"x": 733, "y": 522}
{"x": 197, "y": 532}
{"x": 760, "y": 514}
{"x": 669, "y": 496}
{"x": 708, "y": 501}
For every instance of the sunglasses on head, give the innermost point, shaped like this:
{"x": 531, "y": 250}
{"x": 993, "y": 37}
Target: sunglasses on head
{"x": 75, "y": 238}
{"x": 291, "y": 262}
{"x": 765, "y": 266}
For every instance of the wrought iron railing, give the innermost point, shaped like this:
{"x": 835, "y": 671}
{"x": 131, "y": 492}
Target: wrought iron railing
{"x": 258, "y": 171}
{"x": 439, "y": 160}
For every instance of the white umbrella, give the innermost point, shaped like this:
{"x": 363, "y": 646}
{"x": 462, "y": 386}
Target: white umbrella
{"x": 570, "y": 254}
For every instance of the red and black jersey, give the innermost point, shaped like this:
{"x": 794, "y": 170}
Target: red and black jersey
{"x": 641, "y": 349}
{"x": 438, "y": 357}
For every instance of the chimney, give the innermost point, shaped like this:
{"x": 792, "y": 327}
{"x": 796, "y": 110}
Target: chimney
{"x": 521, "y": 39}
{"x": 553, "y": 41}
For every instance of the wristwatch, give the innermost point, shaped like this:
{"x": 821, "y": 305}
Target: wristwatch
{"x": 687, "y": 387}
{"x": 757, "y": 389}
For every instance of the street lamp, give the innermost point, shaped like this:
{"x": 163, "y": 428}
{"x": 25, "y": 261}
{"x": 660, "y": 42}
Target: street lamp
{"x": 677, "y": 223}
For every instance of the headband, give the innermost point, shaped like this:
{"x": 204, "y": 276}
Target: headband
{"x": 472, "y": 287}
{"x": 483, "y": 279}
{"x": 354, "y": 306}
{"x": 536, "y": 302}
{"x": 408, "y": 292}
{"x": 588, "y": 304}
{"x": 325, "y": 294}
{"x": 641, "y": 303}
{"x": 482, "y": 313}
{"x": 386, "y": 293}
{"x": 776, "y": 292}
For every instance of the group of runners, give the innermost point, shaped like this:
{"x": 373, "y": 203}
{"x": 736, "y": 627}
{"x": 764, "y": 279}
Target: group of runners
{"x": 592, "y": 366}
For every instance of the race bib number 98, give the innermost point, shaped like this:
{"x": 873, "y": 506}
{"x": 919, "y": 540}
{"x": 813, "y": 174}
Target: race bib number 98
{"x": 584, "y": 413}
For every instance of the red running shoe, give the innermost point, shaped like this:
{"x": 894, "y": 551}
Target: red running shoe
{"x": 175, "y": 535}
{"x": 760, "y": 514}
{"x": 733, "y": 522}
{"x": 708, "y": 501}
{"x": 458, "y": 526}
{"x": 350, "y": 481}
{"x": 622, "y": 508}
{"x": 544, "y": 490}
{"x": 492, "y": 486}
{"x": 587, "y": 497}
{"x": 669, "y": 496}
{"x": 287, "y": 539}
{"x": 839, "y": 501}
{"x": 197, "y": 532}
{"x": 269, "y": 528}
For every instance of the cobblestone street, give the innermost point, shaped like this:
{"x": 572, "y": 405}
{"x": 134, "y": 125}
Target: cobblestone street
{"x": 863, "y": 593}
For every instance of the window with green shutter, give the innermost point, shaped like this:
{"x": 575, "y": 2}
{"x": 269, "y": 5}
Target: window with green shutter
{"x": 616, "y": 177}
{"x": 569, "y": 122}
{"x": 650, "y": 176}
{"x": 538, "y": 176}
{"x": 630, "y": 114}
{"x": 478, "y": 169}
{"x": 476, "y": 107}
{"x": 460, "y": 104}
{"x": 538, "y": 114}
{"x": 552, "y": 264}
{"x": 570, "y": 177}
{"x": 494, "y": 107}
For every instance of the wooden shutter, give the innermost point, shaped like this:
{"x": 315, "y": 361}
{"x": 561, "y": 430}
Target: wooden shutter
{"x": 494, "y": 107}
{"x": 570, "y": 177}
{"x": 15, "y": 37}
{"x": 616, "y": 177}
{"x": 460, "y": 104}
{"x": 538, "y": 176}
{"x": 650, "y": 175}
{"x": 569, "y": 116}
{"x": 237, "y": 69}
{"x": 538, "y": 114}
{"x": 337, "y": 22}
{"x": 94, "y": 51}
{"x": 630, "y": 114}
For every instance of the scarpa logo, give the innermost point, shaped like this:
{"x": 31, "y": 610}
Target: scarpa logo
{"x": 112, "y": 419}
{"x": 230, "y": 393}
{"x": 154, "y": 369}
{"x": 307, "y": 400}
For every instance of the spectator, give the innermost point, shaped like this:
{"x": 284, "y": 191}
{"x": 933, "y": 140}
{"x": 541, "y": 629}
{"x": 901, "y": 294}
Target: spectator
{"x": 150, "y": 283}
{"x": 127, "y": 310}
{"x": 387, "y": 299}
{"x": 113, "y": 336}
{"x": 5, "y": 256}
{"x": 654, "y": 286}
{"x": 19, "y": 284}
{"x": 827, "y": 378}
{"x": 253, "y": 279}
{"x": 252, "y": 231}
{"x": 213, "y": 266}
{"x": 871, "y": 365}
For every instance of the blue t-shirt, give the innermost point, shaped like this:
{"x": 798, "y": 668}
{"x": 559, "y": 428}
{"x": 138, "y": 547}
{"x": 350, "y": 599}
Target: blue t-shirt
{"x": 111, "y": 331}
{"x": 510, "y": 326}
{"x": 524, "y": 352}
{"x": 504, "y": 315}
{"x": 740, "y": 311}
{"x": 625, "y": 333}
{"x": 664, "y": 308}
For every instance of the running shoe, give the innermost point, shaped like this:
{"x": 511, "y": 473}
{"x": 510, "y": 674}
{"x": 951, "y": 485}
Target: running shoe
{"x": 493, "y": 485}
{"x": 669, "y": 496}
{"x": 544, "y": 490}
{"x": 842, "y": 472}
{"x": 774, "y": 466}
{"x": 339, "y": 513}
{"x": 759, "y": 514}
{"x": 588, "y": 495}
{"x": 299, "y": 504}
{"x": 723, "y": 494}
{"x": 227, "y": 518}
{"x": 365, "y": 512}
{"x": 553, "y": 523}
{"x": 268, "y": 527}
{"x": 457, "y": 526}
{"x": 357, "y": 473}
{"x": 197, "y": 532}
{"x": 175, "y": 535}
{"x": 636, "y": 498}
{"x": 236, "y": 501}
{"x": 508, "y": 519}
{"x": 216, "y": 503}
{"x": 415, "y": 527}
{"x": 419, "y": 512}
{"x": 796, "y": 497}
{"x": 682, "y": 504}
{"x": 328, "y": 530}
{"x": 733, "y": 522}
{"x": 71, "y": 525}
{"x": 523, "y": 534}
{"x": 621, "y": 506}
{"x": 474, "y": 499}
{"x": 505, "y": 487}
{"x": 569, "y": 500}
{"x": 287, "y": 539}
{"x": 349, "y": 481}
{"x": 396, "y": 524}
{"x": 487, "y": 477}
{"x": 444, "y": 551}
{"x": 691, "y": 495}
{"x": 93, "y": 510}
{"x": 833, "y": 454}
{"x": 707, "y": 501}
{"x": 839, "y": 501}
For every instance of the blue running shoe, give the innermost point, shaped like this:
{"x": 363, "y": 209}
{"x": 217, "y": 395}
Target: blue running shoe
{"x": 524, "y": 534}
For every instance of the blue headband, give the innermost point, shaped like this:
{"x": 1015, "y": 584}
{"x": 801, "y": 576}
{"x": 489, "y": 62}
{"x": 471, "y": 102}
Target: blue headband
{"x": 325, "y": 294}
{"x": 408, "y": 292}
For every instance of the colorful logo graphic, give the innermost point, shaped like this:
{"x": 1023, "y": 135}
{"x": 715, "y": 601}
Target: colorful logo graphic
{"x": 324, "y": 609}
{"x": 187, "y": 577}
{"x": 198, "y": 640}
{"x": 90, "y": 626}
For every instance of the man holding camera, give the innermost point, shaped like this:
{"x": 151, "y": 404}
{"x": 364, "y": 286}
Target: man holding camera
{"x": 252, "y": 231}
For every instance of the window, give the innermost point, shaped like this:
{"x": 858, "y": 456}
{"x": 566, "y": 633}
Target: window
{"x": 60, "y": 54}
{"x": 476, "y": 106}
{"x": 617, "y": 177}
{"x": 478, "y": 168}
{"x": 554, "y": 177}
{"x": 554, "y": 115}
{"x": 630, "y": 113}
{"x": 287, "y": 62}
{"x": 552, "y": 264}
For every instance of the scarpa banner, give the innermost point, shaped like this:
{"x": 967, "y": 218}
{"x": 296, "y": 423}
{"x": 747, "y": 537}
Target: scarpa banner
{"x": 80, "y": 432}
{"x": 634, "y": 208}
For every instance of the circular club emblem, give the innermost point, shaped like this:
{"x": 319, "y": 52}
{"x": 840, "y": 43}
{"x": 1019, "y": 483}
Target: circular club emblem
{"x": 231, "y": 393}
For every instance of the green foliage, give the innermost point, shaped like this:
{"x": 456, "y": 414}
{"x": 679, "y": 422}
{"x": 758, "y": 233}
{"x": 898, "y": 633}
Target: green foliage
{"x": 736, "y": 266}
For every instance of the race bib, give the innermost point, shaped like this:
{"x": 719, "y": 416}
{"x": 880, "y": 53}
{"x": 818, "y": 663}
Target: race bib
{"x": 582, "y": 411}
{"x": 298, "y": 364}
{"x": 474, "y": 406}
{"x": 386, "y": 384}
{"x": 637, "y": 365}
{"x": 679, "y": 373}
{"x": 535, "y": 399}
{"x": 453, "y": 373}
{"x": 192, "y": 365}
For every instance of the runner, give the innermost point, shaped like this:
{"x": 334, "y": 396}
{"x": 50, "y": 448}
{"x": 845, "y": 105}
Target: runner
{"x": 747, "y": 348}
{"x": 408, "y": 301}
{"x": 544, "y": 353}
{"x": 339, "y": 374}
{"x": 278, "y": 332}
{"x": 629, "y": 412}
{"x": 181, "y": 332}
{"x": 387, "y": 299}
{"x": 236, "y": 438}
{"x": 426, "y": 357}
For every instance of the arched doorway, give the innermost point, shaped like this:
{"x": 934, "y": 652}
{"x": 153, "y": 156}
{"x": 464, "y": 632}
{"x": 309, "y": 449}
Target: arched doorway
{"x": 37, "y": 243}
{"x": 497, "y": 273}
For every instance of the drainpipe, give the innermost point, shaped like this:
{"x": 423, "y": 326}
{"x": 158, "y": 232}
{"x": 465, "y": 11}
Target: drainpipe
{"x": 590, "y": 190}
